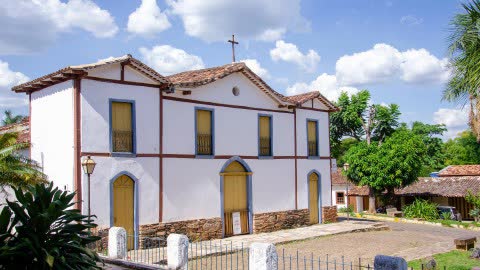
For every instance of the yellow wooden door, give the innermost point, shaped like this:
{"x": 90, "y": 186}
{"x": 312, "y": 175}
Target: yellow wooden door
{"x": 123, "y": 193}
{"x": 235, "y": 197}
{"x": 313, "y": 198}
{"x": 122, "y": 127}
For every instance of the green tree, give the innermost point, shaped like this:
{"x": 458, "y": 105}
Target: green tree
{"x": 464, "y": 48}
{"x": 42, "y": 231}
{"x": 462, "y": 150}
{"x": 435, "y": 156}
{"x": 395, "y": 163}
{"x": 15, "y": 169}
{"x": 359, "y": 120}
{"x": 9, "y": 118}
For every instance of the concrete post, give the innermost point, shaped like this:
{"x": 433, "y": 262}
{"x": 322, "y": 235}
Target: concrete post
{"x": 117, "y": 243}
{"x": 383, "y": 262}
{"x": 177, "y": 251}
{"x": 263, "y": 256}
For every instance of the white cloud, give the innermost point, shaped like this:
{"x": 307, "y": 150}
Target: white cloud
{"x": 169, "y": 60}
{"x": 289, "y": 52}
{"x": 384, "y": 62}
{"x": 255, "y": 66}
{"x": 411, "y": 20}
{"x": 147, "y": 20}
{"x": 456, "y": 120}
{"x": 216, "y": 20}
{"x": 8, "y": 79}
{"x": 326, "y": 84}
{"x": 29, "y": 26}
{"x": 419, "y": 66}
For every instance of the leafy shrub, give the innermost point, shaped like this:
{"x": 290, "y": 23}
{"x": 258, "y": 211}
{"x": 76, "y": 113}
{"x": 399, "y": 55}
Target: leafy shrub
{"x": 41, "y": 231}
{"x": 446, "y": 216}
{"x": 421, "y": 209}
{"x": 348, "y": 209}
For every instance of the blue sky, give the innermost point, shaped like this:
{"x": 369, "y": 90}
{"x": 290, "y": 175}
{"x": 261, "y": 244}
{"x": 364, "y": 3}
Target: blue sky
{"x": 395, "y": 49}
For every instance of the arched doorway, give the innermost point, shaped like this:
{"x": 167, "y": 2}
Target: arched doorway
{"x": 236, "y": 206}
{"x": 313, "y": 197}
{"x": 123, "y": 191}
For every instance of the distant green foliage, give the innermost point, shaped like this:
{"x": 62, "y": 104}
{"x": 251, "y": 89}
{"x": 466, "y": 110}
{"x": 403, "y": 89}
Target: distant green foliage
{"x": 348, "y": 209}
{"x": 462, "y": 150}
{"x": 42, "y": 231}
{"x": 435, "y": 156}
{"x": 474, "y": 199}
{"x": 421, "y": 209}
{"x": 395, "y": 163}
{"x": 10, "y": 118}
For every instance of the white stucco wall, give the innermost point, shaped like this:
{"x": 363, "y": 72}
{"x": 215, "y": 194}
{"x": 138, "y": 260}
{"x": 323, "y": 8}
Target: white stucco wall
{"x": 323, "y": 135}
{"x": 221, "y": 92}
{"x": 52, "y": 132}
{"x": 144, "y": 170}
{"x": 305, "y": 166}
{"x": 95, "y": 102}
{"x": 236, "y": 130}
{"x": 335, "y": 189}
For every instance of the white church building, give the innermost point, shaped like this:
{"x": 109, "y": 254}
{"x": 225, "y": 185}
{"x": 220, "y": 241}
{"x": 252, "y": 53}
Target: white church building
{"x": 209, "y": 153}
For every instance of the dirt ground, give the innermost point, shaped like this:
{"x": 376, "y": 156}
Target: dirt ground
{"x": 410, "y": 241}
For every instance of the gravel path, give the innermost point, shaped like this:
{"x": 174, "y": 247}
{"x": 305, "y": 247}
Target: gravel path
{"x": 410, "y": 241}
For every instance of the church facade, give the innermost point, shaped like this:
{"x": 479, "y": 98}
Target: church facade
{"x": 210, "y": 153}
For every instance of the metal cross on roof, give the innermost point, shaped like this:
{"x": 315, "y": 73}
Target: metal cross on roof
{"x": 233, "y": 47}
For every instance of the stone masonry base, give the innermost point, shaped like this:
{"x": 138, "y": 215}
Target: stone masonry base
{"x": 274, "y": 221}
{"x": 205, "y": 229}
{"x": 329, "y": 214}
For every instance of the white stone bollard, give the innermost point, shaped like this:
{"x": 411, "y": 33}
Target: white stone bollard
{"x": 177, "y": 251}
{"x": 117, "y": 243}
{"x": 263, "y": 256}
{"x": 383, "y": 262}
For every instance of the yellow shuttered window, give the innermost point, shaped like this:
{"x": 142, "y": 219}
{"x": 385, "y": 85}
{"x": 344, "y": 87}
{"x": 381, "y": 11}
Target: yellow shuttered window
{"x": 265, "y": 135}
{"x": 204, "y": 132}
{"x": 122, "y": 131}
{"x": 312, "y": 138}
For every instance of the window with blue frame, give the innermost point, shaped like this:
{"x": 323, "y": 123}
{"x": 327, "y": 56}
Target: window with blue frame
{"x": 122, "y": 125}
{"x": 312, "y": 138}
{"x": 265, "y": 135}
{"x": 204, "y": 132}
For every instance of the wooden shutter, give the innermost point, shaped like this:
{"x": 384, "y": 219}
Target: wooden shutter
{"x": 123, "y": 196}
{"x": 313, "y": 198}
{"x": 265, "y": 139}
{"x": 312, "y": 138}
{"x": 204, "y": 132}
{"x": 122, "y": 134}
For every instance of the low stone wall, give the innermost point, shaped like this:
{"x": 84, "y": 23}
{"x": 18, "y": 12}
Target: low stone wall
{"x": 274, "y": 221}
{"x": 198, "y": 229}
{"x": 329, "y": 214}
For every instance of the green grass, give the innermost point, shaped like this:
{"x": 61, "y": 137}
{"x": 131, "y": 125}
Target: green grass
{"x": 453, "y": 260}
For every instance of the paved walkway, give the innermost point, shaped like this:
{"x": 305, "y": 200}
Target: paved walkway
{"x": 239, "y": 244}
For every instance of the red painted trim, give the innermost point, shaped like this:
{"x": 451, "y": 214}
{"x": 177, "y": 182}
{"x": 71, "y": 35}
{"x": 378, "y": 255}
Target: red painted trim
{"x": 123, "y": 82}
{"x": 160, "y": 141}
{"x": 77, "y": 142}
{"x": 30, "y": 123}
{"x": 314, "y": 109}
{"x": 222, "y": 104}
{"x": 296, "y": 158}
{"x": 104, "y": 154}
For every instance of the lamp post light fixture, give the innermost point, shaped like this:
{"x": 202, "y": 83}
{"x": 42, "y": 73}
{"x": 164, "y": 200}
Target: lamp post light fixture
{"x": 345, "y": 168}
{"x": 88, "y": 166}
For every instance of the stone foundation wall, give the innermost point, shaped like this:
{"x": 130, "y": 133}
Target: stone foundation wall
{"x": 274, "y": 221}
{"x": 329, "y": 214}
{"x": 198, "y": 229}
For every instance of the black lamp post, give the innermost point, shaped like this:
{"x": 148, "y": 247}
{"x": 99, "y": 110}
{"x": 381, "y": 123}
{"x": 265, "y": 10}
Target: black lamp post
{"x": 88, "y": 166}
{"x": 345, "y": 168}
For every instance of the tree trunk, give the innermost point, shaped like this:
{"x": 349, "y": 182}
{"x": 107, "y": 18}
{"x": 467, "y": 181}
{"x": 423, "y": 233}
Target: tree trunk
{"x": 371, "y": 201}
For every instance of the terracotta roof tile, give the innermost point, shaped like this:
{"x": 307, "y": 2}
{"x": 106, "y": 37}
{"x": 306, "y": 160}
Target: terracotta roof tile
{"x": 442, "y": 186}
{"x": 339, "y": 179}
{"x": 460, "y": 170}
{"x": 63, "y": 73}
{"x": 195, "y": 78}
{"x": 22, "y": 128}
